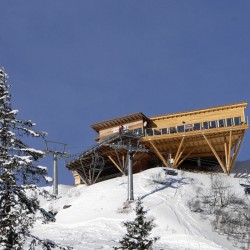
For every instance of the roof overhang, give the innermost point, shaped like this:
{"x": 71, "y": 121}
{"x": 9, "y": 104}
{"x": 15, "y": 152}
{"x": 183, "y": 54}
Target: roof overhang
{"x": 198, "y": 111}
{"x": 119, "y": 121}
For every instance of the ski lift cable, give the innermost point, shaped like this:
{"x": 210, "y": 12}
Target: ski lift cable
{"x": 202, "y": 160}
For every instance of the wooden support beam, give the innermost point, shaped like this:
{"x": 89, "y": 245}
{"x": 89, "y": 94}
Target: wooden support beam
{"x": 118, "y": 158}
{"x": 177, "y": 159}
{"x": 215, "y": 154}
{"x": 159, "y": 153}
{"x": 141, "y": 157}
{"x": 123, "y": 162}
{"x": 180, "y": 154}
{"x": 226, "y": 159}
{"x": 178, "y": 151}
{"x": 97, "y": 176}
{"x": 229, "y": 152}
{"x": 84, "y": 177}
{"x": 237, "y": 148}
{"x": 114, "y": 162}
{"x": 186, "y": 156}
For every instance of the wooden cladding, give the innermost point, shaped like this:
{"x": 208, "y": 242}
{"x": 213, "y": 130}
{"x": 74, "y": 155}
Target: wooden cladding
{"x": 126, "y": 126}
{"x": 215, "y": 131}
{"x": 118, "y": 121}
{"x": 209, "y": 115}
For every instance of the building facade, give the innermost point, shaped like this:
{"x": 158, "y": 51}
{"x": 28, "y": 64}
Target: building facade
{"x": 206, "y": 135}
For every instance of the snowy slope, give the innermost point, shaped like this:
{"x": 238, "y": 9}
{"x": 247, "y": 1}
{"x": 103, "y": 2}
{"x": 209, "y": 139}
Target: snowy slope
{"x": 94, "y": 219}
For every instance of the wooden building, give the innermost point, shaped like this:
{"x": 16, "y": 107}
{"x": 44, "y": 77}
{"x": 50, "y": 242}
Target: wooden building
{"x": 211, "y": 134}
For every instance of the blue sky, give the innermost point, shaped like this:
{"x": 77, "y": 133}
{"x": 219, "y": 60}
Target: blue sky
{"x": 75, "y": 63}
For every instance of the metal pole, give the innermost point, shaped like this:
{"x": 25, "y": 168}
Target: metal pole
{"x": 130, "y": 177}
{"x": 55, "y": 179}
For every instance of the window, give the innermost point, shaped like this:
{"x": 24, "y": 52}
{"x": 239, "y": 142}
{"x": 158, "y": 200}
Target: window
{"x": 237, "y": 121}
{"x": 188, "y": 127}
{"x": 212, "y": 124}
{"x": 222, "y": 123}
{"x": 229, "y": 122}
{"x": 157, "y": 132}
{"x": 149, "y": 131}
{"x": 197, "y": 126}
{"x": 205, "y": 125}
{"x": 180, "y": 129}
{"x": 172, "y": 130}
{"x": 164, "y": 131}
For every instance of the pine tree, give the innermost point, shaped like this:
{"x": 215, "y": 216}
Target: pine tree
{"x": 18, "y": 175}
{"x": 138, "y": 231}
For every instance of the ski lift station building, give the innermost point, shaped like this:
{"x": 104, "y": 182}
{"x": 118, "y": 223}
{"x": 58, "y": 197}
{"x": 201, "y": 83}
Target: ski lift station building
{"x": 193, "y": 139}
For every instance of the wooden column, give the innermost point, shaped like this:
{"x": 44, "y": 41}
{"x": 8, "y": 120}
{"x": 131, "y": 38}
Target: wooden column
{"x": 215, "y": 154}
{"x": 236, "y": 151}
{"x": 179, "y": 152}
{"x": 115, "y": 163}
{"x": 225, "y": 147}
{"x": 158, "y": 153}
{"x": 185, "y": 157}
{"x": 229, "y": 152}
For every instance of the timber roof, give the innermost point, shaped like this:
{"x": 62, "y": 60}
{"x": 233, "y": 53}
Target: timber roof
{"x": 140, "y": 116}
{"x": 197, "y": 111}
{"x": 118, "y": 121}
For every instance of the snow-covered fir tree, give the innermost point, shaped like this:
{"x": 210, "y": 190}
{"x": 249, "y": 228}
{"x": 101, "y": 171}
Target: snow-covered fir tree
{"x": 138, "y": 231}
{"x": 18, "y": 175}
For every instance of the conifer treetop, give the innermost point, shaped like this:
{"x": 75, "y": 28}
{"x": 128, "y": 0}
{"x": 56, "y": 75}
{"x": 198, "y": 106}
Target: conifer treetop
{"x": 19, "y": 174}
{"x": 138, "y": 231}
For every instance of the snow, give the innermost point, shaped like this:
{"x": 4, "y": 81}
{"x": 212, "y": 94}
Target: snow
{"x": 32, "y": 150}
{"x": 48, "y": 179}
{"x": 42, "y": 167}
{"x": 3, "y": 97}
{"x": 14, "y": 111}
{"x": 23, "y": 159}
{"x": 94, "y": 218}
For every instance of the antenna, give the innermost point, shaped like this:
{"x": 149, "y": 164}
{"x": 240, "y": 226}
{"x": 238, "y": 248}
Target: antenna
{"x": 57, "y": 149}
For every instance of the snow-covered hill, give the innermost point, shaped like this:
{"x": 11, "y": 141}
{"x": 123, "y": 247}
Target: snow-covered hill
{"x": 94, "y": 218}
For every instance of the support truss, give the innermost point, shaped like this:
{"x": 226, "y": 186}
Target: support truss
{"x": 236, "y": 151}
{"x": 120, "y": 168}
{"x": 159, "y": 153}
{"x": 215, "y": 154}
{"x": 179, "y": 153}
{"x": 231, "y": 151}
{"x": 90, "y": 171}
{"x": 177, "y": 160}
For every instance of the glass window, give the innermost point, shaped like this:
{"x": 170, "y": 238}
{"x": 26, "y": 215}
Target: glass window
{"x": 229, "y": 122}
{"x": 172, "y": 130}
{"x": 222, "y": 123}
{"x": 164, "y": 131}
{"x": 149, "y": 131}
{"x": 197, "y": 126}
{"x": 180, "y": 129}
{"x": 205, "y": 125}
{"x": 188, "y": 127}
{"x": 157, "y": 132}
{"x": 237, "y": 121}
{"x": 212, "y": 124}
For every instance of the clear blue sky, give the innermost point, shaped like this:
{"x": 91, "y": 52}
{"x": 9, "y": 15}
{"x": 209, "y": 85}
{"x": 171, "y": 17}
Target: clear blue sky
{"x": 75, "y": 63}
